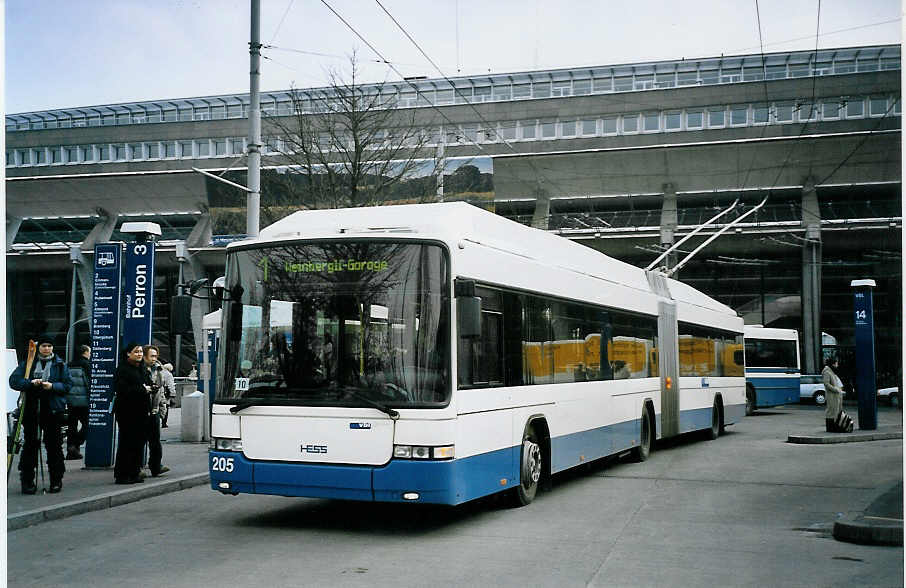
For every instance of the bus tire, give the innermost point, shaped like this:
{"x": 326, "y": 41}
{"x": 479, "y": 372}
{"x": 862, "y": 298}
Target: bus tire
{"x": 531, "y": 465}
{"x": 750, "y": 401}
{"x": 643, "y": 450}
{"x": 713, "y": 432}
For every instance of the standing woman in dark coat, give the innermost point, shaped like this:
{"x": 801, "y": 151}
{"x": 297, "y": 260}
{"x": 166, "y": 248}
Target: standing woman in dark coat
{"x": 132, "y": 406}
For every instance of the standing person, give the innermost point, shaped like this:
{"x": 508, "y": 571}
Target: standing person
{"x": 833, "y": 392}
{"x": 132, "y": 407}
{"x": 45, "y": 390}
{"x": 77, "y": 399}
{"x": 169, "y": 384}
{"x": 152, "y": 428}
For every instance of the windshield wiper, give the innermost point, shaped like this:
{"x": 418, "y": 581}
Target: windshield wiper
{"x": 262, "y": 401}
{"x": 242, "y": 405}
{"x": 394, "y": 415}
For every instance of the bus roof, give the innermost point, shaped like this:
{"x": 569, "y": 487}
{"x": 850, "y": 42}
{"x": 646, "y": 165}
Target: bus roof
{"x": 759, "y": 332}
{"x": 455, "y": 222}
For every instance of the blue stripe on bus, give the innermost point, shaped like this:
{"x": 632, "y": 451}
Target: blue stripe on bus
{"x": 313, "y": 480}
{"x": 695, "y": 420}
{"x": 448, "y": 482}
{"x": 437, "y": 482}
{"x": 774, "y": 391}
{"x": 571, "y": 450}
{"x": 734, "y": 413}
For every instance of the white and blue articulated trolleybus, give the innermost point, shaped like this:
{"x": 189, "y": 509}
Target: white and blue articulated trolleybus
{"x": 437, "y": 353}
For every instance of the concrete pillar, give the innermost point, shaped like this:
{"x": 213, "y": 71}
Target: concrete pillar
{"x": 668, "y": 223}
{"x": 811, "y": 279}
{"x": 541, "y": 217}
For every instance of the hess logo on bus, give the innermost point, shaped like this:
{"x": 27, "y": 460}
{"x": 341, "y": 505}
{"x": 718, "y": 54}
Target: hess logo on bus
{"x": 305, "y": 448}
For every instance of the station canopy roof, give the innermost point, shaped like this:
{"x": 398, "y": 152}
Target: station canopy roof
{"x": 63, "y": 209}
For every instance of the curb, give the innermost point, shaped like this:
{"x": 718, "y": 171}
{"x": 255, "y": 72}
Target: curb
{"x": 868, "y": 530}
{"x": 103, "y": 501}
{"x": 842, "y": 438}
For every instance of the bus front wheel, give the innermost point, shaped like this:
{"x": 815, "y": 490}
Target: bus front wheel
{"x": 750, "y": 401}
{"x": 530, "y": 468}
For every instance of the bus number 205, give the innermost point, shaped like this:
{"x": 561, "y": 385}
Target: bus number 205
{"x": 221, "y": 464}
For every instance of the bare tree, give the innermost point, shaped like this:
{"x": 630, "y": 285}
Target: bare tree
{"x": 349, "y": 146}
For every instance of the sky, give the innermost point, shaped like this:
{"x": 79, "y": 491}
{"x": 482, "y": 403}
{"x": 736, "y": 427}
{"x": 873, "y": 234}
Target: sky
{"x": 68, "y": 53}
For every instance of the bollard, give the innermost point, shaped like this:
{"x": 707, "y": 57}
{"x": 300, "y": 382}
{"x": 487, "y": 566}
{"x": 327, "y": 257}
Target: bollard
{"x": 193, "y": 417}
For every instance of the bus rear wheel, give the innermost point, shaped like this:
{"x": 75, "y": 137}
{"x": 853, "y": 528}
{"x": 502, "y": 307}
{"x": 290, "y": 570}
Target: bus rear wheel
{"x": 714, "y": 431}
{"x": 643, "y": 450}
{"x": 530, "y": 467}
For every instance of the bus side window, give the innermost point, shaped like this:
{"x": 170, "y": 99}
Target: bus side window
{"x": 480, "y": 359}
{"x": 512, "y": 339}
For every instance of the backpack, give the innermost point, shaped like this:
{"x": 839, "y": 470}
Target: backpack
{"x": 78, "y": 393}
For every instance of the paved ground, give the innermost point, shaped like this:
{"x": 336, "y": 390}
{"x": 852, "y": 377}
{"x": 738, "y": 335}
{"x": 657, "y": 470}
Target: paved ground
{"x": 86, "y": 490}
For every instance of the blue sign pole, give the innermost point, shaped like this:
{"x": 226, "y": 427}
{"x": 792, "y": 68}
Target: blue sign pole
{"x": 138, "y": 289}
{"x": 138, "y": 298}
{"x": 865, "y": 355}
{"x": 105, "y": 323}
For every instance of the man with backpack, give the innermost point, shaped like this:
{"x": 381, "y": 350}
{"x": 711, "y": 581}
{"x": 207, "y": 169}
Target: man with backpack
{"x": 80, "y": 372}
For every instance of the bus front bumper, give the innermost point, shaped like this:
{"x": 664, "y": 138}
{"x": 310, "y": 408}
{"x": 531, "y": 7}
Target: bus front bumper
{"x": 423, "y": 481}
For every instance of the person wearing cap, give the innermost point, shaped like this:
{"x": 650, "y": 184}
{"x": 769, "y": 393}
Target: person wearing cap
{"x": 45, "y": 389}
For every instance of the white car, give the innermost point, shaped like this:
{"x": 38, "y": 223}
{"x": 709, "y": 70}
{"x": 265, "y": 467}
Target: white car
{"x": 890, "y": 395}
{"x": 811, "y": 389}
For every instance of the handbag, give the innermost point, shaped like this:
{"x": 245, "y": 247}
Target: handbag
{"x": 843, "y": 423}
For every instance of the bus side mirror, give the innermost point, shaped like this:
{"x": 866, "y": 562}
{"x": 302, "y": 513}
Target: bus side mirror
{"x": 181, "y": 314}
{"x": 218, "y": 288}
{"x": 468, "y": 309}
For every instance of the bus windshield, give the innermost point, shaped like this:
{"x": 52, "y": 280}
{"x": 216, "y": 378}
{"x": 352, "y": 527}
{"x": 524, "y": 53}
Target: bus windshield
{"x": 337, "y": 323}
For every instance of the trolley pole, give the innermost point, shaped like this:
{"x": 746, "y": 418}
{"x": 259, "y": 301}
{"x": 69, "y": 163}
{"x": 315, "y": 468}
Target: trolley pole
{"x": 254, "y": 149}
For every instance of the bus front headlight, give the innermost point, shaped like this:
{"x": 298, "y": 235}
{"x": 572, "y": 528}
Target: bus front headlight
{"x": 227, "y": 444}
{"x": 422, "y": 452}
